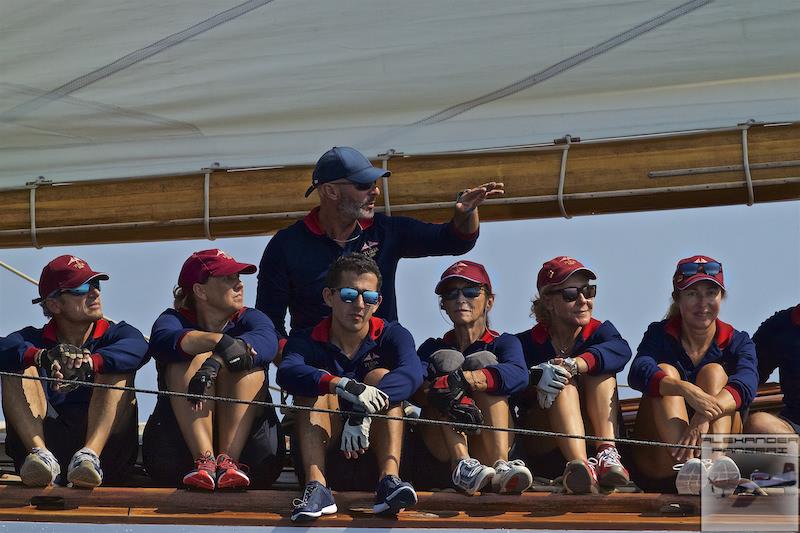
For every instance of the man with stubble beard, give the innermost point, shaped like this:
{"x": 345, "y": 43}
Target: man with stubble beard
{"x": 292, "y": 271}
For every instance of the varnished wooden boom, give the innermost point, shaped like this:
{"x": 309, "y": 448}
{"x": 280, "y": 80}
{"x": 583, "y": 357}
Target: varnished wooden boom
{"x": 601, "y": 177}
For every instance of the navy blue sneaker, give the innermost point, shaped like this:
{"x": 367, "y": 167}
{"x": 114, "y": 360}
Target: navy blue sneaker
{"x": 393, "y": 495}
{"x": 317, "y": 500}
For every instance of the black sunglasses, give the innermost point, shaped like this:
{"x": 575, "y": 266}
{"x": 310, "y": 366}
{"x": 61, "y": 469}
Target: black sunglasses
{"x": 570, "y": 294}
{"x": 469, "y": 292}
{"x": 359, "y": 186}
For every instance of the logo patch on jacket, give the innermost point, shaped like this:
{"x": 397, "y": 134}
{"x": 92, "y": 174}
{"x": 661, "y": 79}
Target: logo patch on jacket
{"x": 371, "y": 361}
{"x": 370, "y": 249}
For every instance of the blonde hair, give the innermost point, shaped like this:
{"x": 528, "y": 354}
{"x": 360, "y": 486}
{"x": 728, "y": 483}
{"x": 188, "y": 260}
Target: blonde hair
{"x": 183, "y": 299}
{"x": 539, "y": 310}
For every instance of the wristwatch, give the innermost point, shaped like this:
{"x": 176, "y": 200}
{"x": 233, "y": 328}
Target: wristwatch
{"x": 571, "y": 364}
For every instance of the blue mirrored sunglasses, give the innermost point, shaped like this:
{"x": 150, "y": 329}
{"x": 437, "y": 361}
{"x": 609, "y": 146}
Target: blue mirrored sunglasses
{"x": 81, "y": 290}
{"x": 349, "y": 295}
{"x": 711, "y": 268}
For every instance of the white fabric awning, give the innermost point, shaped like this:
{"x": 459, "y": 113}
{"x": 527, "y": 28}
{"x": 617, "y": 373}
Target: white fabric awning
{"x": 107, "y": 89}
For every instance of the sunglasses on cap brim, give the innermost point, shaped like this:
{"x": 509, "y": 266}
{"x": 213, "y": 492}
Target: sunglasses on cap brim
{"x": 570, "y": 294}
{"x": 349, "y": 295}
{"x": 468, "y": 292}
{"x": 711, "y": 268}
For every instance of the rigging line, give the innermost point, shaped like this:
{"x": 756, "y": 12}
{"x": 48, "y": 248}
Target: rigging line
{"x": 131, "y": 59}
{"x": 566, "y": 64}
{"x": 428, "y": 421}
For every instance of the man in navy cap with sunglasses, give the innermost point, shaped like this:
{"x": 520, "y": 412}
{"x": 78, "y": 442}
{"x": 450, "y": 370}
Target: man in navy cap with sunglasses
{"x": 351, "y": 361}
{"x": 62, "y": 427}
{"x": 292, "y": 270}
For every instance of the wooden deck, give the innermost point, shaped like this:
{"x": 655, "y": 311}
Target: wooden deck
{"x": 636, "y": 512}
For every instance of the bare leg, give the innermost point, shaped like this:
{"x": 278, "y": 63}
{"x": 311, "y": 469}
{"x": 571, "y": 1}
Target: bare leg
{"x": 669, "y": 412}
{"x": 712, "y": 379}
{"x": 766, "y": 423}
{"x": 25, "y": 406}
{"x": 386, "y": 436}
{"x": 489, "y": 446}
{"x": 314, "y": 430}
{"x": 601, "y": 405}
{"x": 235, "y": 420}
{"x": 108, "y": 409}
{"x": 443, "y": 442}
{"x": 565, "y": 417}
{"x": 196, "y": 426}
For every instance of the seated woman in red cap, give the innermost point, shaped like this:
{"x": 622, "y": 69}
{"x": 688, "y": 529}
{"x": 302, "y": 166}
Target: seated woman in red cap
{"x": 574, "y": 359}
{"x": 211, "y": 344}
{"x": 472, "y": 371}
{"x": 697, "y": 375}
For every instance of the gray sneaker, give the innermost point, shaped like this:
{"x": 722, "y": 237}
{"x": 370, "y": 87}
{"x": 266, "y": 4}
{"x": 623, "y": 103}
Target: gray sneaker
{"x": 511, "y": 477}
{"x": 84, "y": 469}
{"x": 40, "y": 468}
{"x": 471, "y": 476}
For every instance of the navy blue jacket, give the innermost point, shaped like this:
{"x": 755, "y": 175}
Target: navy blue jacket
{"x": 116, "y": 348}
{"x": 310, "y": 361}
{"x": 250, "y": 325}
{"x": 778, "y": 346}
{"x": 507, "y": 377}
{"x": 662, "y": 344}
{"x": 599, "y": 344}
{"x": 292, "y": 271}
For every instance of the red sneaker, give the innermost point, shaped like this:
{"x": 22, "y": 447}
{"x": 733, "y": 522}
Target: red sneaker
{"x": 202, "y": 477}
{"x": 580, "y": 477}
{"x": 610, "y": 472}
{"x": 230, "y": 474}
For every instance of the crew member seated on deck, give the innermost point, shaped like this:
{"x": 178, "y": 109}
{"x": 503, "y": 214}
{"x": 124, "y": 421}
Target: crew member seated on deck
{"x": 211, "y": 344}
{"x": 350, "y": 361}
{"x": 574, "y": 360}
{"x": 292, "y": 271}
{"x": 472, "y": 371}
{"x": 59, "y": 427}
{"x": 697, "y": 375}
{"x": 777, "y": 343}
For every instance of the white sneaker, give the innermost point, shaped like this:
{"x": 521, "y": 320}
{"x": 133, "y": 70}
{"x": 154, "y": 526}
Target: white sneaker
{"x": 724, "y": 475}
{"x": 471, "y": 476}
{"x": 511, "y": 477}
{"x": 84, "y": 469}
{"x": 40, "y": 468}
{"x": 692, "y": 476}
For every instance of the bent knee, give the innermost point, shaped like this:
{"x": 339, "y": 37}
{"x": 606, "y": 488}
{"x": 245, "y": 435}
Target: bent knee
{"x": 479, "y": 360}
{"x": 712, "y": 370}
{"x": 670, "y": 370}
{"x": 445, "y": 361}
{"x": 374, "y": 376}
{"x": 763, "y": 423}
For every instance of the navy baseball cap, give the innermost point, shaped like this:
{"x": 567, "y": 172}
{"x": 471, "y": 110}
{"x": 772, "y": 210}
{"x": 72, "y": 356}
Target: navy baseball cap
{"x": 343, "y": 162}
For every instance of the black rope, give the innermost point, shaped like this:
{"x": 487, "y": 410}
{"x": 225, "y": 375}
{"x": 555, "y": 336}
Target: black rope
{"x": 412, "y": 420}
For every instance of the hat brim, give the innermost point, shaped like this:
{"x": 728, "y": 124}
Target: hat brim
{"x": 691, "y": 280}
{"x": 591, "y": 274}
{"x": 102, "y": 276}
{"x": 235, "y": 268}
{"x": 444, "y": 280}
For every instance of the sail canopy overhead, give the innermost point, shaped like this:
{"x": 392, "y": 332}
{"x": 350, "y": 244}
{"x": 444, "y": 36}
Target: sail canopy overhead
{"x": 104, "y": 89}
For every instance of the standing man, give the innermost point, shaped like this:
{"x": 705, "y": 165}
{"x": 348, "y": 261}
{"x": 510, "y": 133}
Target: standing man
{"x": 293, "y": 268}
{"x": 56, "y": 427}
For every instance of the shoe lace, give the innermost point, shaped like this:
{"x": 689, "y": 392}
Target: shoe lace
{"x": 306, "y": 495}
{"x": 609, "y": 456}
{"x": 46, "y": 456}
{"x": 205, "y": 462}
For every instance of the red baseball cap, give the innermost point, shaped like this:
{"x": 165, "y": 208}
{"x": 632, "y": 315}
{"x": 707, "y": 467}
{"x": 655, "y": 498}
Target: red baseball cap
{"x": 206, "y": 263}
{"x": 698, "y": 268}
{"x": 65, "y": 272}
{"x": 468, "y": 270}
{"x": 558, "y": 269}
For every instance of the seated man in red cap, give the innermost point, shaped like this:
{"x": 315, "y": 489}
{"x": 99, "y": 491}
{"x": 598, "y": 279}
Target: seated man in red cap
{"x": 355, "y": 362}
{"x": 210, "y": 344}
{"x": 57, "y": 426}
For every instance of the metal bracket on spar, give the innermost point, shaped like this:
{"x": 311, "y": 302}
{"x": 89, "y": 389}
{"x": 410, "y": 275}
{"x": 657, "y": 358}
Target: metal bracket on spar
{"x": 32, "y": 186}
{"x": 746, "y": 160}
{"x": 207, "y": 199}
{"x": 384, "y": 157}
{"x": 565, "y": 142}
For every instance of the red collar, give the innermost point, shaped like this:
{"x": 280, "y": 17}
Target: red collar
{"x": 722, "y": 337}
{"x": 795, "y": 316}
{"x": 541, "y": 334}
{"x": 191, "y": 316}
{"x": 322, "y": 331}
{"x": 487, "y": 338}
{"x": 312, "y": 222}
{"x": 50, "y": 331}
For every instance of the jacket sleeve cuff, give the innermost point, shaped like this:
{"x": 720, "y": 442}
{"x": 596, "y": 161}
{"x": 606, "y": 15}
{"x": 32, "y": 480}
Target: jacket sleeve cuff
{"x": 737, "y": 397}
{"x": 464, "y": 236}
{"x": 29, "y": 357}
{"x": 492, "y": 379}
{"x": 324, "y": 385}
{"x": 281, "y": 343}
{"x": 97, "y": 363}
{"x": 591, "y": 361}
{"x": 655, "y": 383}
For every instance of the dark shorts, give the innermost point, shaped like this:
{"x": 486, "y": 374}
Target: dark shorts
{"x": 167, "y": 458}
{"x": 794, "y": 426}
{"x": 420, "y": 467}
{"x": 65, "y": 433}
